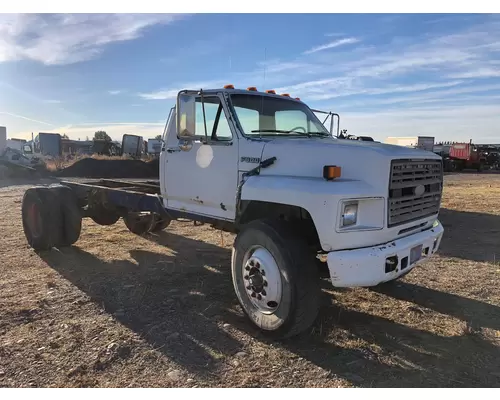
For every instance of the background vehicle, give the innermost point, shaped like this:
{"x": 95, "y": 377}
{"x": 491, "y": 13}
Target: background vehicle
{"x": 3, "y": 138}
{"x": 132, "y": 145}
{"x": 467, "y": 156}
{"x": 154, "y": 146}
{"x": 263, "y": 166}
{"x": 48, "y": 144}
{"x": 418, "y": 142}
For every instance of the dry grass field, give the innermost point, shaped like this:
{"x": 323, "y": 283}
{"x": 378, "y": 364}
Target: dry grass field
{"x": 117, "y": 310}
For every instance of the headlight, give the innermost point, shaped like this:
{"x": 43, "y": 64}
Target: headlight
{"x": 349, "y": 214}
{"x": 361, "y": 214}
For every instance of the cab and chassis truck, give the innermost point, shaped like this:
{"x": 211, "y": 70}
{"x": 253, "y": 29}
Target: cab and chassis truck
{"x": 263, "y": 166}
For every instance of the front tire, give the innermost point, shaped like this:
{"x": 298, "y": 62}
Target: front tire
{"x": 275, "y": 278}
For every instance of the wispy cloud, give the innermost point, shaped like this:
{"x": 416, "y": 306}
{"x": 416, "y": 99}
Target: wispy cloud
{"x": 25, "y": 118}
{"x": 486, "y": 72}
{"x": 488, "y": 92}
{"x": 442, "y": 60}
{"x": 171, "y": 93}
{"x": 114, "y": 130}
{"x": 346, "y": 86}
{"x": 52, "y": 101}
{"x": 429, "y": 64}
{"x": 114, "y": 92}
{"x": 57, "y": 39}
{"x": 273, "y": 66}
{"x": 334, "y": 34}
{"x": 331, "y": 45}
{"x": 441, "y": 122}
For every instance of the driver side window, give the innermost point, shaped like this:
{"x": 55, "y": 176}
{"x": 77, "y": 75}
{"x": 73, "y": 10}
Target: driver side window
{"x": 291, "y": 119}
{"x": 217, "y": 125}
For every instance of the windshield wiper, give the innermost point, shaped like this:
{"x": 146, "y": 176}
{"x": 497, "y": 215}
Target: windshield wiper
{"x": 322, "y": 134}
{"x": 270, "y": 130}
{"x": 289, "y": 133}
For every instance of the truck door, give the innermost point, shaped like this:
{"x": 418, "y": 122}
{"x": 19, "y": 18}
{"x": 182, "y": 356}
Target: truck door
{"x": 201, "y": 174}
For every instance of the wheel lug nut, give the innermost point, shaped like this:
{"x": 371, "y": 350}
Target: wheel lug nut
{"x": 257, "y": 265}
{"x": 251, "y": 262}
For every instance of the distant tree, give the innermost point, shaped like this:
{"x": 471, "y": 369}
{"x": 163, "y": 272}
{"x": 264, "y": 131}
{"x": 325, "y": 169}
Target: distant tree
{"x": 64, "y": 136}
{"x": 158, "y": 137}
{"x": 102, "y": 135}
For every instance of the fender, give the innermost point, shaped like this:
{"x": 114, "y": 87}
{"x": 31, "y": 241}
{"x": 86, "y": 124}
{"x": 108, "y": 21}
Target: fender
{"x": 317, "y": 196}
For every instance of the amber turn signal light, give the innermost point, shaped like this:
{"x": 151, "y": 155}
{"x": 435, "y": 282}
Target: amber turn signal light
{"x": 331, "y": 172}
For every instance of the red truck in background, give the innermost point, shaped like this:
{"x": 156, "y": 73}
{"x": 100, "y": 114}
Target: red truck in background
{"x": 466, "y": 156}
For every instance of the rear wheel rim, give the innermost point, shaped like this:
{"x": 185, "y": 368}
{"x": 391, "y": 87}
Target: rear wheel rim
{"x": 262, "y": 280}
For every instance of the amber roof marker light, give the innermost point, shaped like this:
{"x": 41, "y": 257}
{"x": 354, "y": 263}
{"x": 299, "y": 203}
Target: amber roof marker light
{"x": 271, "y": 91}
{"x": 228, "y": 86}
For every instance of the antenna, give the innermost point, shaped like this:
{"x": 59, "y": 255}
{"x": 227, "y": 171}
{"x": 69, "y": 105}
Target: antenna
{"x": 263, "y": 84}
{"x": 265, "y": 65}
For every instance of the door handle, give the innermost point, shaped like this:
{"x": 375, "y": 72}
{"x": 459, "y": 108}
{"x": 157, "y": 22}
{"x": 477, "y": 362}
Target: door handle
{"x": 173, "y": 149}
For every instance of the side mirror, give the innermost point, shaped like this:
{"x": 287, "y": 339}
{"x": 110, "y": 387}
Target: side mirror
{"x": 186, "y": 115}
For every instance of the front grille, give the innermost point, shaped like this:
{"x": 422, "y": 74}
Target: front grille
{"x": 405, "y": 203}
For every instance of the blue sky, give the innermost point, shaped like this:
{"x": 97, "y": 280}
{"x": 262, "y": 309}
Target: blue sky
{"x": 386, "y": 75}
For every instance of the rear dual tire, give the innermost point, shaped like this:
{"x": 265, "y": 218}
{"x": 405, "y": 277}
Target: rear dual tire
{"x": 51, "y": 217}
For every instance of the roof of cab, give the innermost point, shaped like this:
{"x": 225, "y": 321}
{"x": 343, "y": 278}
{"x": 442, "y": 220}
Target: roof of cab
{"x": 251, "y": 92}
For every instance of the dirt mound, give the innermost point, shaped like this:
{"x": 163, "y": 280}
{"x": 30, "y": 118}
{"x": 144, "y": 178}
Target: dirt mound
{"x": 98, "y": 168}
{"x": 154, "y": 164}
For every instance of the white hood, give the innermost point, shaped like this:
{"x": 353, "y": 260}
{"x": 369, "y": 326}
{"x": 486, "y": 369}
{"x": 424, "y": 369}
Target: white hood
{"x": 366, "y": 161}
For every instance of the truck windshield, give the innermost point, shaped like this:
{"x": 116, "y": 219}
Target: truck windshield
{"x": 271, "y": 116}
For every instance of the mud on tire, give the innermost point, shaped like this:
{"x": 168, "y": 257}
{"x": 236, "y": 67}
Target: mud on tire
{"x": 300, "y": 294}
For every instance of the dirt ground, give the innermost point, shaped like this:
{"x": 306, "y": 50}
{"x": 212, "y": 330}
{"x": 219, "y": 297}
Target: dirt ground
{"x": 117, "y": 310}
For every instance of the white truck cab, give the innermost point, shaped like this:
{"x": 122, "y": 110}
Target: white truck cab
{"x": 263, "y": 165}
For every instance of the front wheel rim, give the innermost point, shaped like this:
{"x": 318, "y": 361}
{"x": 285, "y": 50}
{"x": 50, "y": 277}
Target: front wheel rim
{"x": 262, "y": 279}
